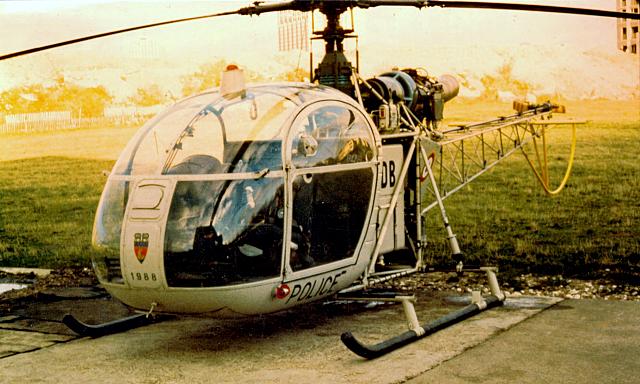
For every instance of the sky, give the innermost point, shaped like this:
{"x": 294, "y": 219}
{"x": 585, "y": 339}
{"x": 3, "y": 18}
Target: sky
{"x": 459, "y": 40}
{"x": 30, "y": 23}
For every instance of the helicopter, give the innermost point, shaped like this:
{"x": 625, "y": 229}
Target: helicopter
{"x": 251, "y": 199}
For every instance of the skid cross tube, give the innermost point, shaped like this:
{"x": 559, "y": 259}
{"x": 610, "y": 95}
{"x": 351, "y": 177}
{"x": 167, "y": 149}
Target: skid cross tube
{"x": 417, "y": 332}
{"x": 384, "y": 347}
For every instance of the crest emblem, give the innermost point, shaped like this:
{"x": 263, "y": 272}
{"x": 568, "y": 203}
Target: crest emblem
{"x": 140, "y": 245}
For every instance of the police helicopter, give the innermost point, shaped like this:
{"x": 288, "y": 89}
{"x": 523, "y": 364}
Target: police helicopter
{"x": 251, "y": 199}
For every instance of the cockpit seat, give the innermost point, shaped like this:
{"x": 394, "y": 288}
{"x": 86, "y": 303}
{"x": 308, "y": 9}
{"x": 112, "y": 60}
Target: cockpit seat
{"x": 196, "y": 165}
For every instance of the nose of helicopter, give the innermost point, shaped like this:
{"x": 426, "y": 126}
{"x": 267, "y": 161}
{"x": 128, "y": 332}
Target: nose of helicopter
{"x": 201, "y": 199}
{"x": 142, "y": 235}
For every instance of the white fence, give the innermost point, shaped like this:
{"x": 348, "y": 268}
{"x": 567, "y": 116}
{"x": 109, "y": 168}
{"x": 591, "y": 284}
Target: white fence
{"x": 42, "y": 121}
{"x": 131, "y": 115}
{"x": 64, "y": 120}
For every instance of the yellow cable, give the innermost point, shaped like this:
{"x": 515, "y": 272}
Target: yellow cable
{"x": 545, "y": 185}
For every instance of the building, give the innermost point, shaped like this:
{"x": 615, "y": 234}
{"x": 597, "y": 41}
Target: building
{"x": 628, "y": 35}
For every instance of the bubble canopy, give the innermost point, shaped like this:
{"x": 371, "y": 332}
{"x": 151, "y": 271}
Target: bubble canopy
{"x": 225, "y": 223}
{"x": 203, "y": 124}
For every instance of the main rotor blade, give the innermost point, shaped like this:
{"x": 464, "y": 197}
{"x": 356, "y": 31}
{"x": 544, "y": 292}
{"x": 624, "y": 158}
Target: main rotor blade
{"x": 255, "y": 9}
{"x": 110, "y": 33}
{"x": 533, "y": 8}
{"x": 499, "y": 6}
{"x": 307, "y": 5}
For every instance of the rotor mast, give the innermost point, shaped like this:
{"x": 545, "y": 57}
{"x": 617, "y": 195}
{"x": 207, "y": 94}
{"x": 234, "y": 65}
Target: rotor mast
{"x": 334, "y": 70}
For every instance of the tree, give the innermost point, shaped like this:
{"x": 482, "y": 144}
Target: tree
{"x": 60, "y": 96}
{"x": 504, "y": 81}
{"x": 209, "y": 75}
{"x": 148, "y": 96}
{"x": 297, "y": 74}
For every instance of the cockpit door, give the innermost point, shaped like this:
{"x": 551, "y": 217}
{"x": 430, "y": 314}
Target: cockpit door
{"x": 142, "y": 237}
{"x": 332, "y": 157}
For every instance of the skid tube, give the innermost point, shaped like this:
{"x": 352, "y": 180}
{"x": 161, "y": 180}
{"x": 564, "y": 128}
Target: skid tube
{"x": 111, "y": 327}
{"x": 416, "y": 331}
{"x": 389, "y": 345}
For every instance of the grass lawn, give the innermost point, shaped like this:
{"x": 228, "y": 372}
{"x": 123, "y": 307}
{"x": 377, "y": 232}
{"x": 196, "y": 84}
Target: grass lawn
{"x": 505, "y": 218}
{"x": 50, "y": 185}
{"x": 47, "y": 206}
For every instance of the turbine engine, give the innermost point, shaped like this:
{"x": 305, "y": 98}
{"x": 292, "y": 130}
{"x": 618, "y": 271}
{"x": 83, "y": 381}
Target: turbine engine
{"x": 386, "y": 96}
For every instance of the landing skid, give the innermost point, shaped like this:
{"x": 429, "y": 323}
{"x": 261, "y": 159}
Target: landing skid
{"x": 416, "y": 331}
{"x": 116, "y": 326}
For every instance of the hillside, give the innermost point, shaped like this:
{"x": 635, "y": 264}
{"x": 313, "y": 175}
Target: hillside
{"x": 548, "y": 70}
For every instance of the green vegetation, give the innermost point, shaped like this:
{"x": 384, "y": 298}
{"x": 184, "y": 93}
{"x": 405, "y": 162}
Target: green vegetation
{"x": 50, "y": 184}
{"x": 87, "y": 102}
{"x": 46, "y": 211}
{"x": 503, "y": 80}
{"x": 148, "y": 96}
{"x": 209, "y": 75}
{"x": 60, "y": 96}
{"x": 506, "y": 218}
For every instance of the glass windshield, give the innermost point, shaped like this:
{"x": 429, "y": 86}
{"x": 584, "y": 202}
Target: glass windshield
{"x": 209, "y": 134}
{"x": 106, "y": 232}
{"x": 240, "y": 241}
{"x": 329, "y": 135}
{"x": 146, "y": 152}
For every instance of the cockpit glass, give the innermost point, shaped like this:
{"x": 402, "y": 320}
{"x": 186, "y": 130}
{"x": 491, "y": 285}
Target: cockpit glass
{"x": 145, "y": 153}
{"x": 209, "y": 134}
{"x": 106, "y": 232}
{"x": 224, "y": 232}
{"x": 228, "y": 231}
{"x": 330, "y": 135}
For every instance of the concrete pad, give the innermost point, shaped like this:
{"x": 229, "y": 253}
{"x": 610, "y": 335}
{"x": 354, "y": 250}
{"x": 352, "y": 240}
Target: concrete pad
{"x": 284, "y": 348}
{"x": 44, "y": 314}
{"x": 577, "y": 341}
{"x": 14, "y": 342}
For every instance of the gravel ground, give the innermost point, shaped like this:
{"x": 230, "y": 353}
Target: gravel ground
{"x": 609, "y": 287}
{"x": 41, "y": 288}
